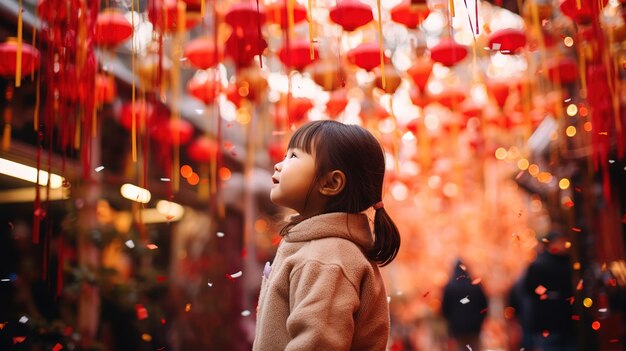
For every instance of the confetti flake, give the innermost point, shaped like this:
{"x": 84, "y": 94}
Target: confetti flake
{"x": 245, "y": 313}
{"x": 545, "y": 333}
{"x": 579, "y": 286}
{"x": 165, "y": 179}
{"x": 130, "y": 244}
{"x": 57, "y": 347}
{"x": 2, "y": 325}
{"x": 152, "y": 246}
{"x": 5, "y": 280}
{"x": 465, "y": 300}
{"x": 426, "y": 294}
{"x": 142, "y": 312}
{"x": 468, "y": 347}
{"x": 188, "y": 307}
{"x": 99, "y": 168}
{"x": 18, "y": 339}
{"x": 23, "y": 319}
{"x": 476, "y": 281}
{"x": 234, "y": 275}
{"x": 210, "y": 284}
{"x": 540, "y": 290}
{"x": 146, "y": 337}
{"x": 220, "y": 234}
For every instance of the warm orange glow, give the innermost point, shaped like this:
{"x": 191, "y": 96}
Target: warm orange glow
{"x": 193, "y": 179}
{"x": 533, "y": 170}
{"x": 501, "y": 153}
{"x": 572, "y": 109}
{"x": 568, "y": 41}
{"x": 576, "y": 266}
{"x": 564, "y": 183}
{"x": 583, "y": 111}
{"x": 224, "y": 173}
{"x": 523, "y": 164}
{"x": 570, "y": 131}
{"x": 186, "y": 171}
{"x": 595, "y": 325}
{"x": 260, "y": 225}
{"x": 588, "y": 126}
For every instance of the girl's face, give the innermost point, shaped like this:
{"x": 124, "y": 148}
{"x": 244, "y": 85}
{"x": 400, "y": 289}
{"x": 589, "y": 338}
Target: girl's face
{"x": 293, "y": 178}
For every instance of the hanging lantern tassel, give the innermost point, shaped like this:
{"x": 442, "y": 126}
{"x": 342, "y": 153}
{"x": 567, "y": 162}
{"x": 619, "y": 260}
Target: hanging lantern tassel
{"x": 6, "y": 133}
{"x": 290, "y": 17}
{"x": 18, "y": 58}
{"x": 380, "y": 42}
{"x": 451, "y": 6}
{"x": 312, "y": 51}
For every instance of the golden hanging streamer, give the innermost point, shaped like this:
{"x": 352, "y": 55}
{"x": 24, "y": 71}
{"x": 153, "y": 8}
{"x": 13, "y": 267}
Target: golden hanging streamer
{"x": 311, "y": 49}
{"x": 133, "y": 132}
{"x": 451, "y": 5}
{"x": 18, "y": 58}
{"x": 6, "y": 134}
{"x": 380, "y": 43}
{"x": 175, "y": 74}
{"x": 290, "y": 19}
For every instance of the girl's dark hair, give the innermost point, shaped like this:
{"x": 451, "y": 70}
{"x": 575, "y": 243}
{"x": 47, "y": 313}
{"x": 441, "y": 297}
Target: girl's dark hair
{"x": 356, "y": 152}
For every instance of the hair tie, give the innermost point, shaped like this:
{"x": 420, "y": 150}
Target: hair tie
{"x": 378, "y": 205}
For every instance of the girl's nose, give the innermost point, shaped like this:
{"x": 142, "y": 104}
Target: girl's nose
{"x": 278, "y": 166}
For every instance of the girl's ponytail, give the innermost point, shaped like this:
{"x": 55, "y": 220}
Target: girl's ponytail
{"x": 386, "y": 238}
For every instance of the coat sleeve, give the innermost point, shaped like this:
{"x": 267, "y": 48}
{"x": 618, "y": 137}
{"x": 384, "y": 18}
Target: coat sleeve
{"x": 322, "y": 305}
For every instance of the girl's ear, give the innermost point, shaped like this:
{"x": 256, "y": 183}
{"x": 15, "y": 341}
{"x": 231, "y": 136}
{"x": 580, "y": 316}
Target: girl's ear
{"x": 333, "y": 183}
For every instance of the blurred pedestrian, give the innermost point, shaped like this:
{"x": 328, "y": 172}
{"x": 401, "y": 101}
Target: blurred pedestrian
{"x": 464, "y": 306}
{"x": 548, "y": 283}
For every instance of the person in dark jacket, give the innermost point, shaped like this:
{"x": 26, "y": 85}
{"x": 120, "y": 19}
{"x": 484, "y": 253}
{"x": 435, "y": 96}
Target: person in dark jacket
{"x": 464, "y": 307}
{"x": 548, "y": 283}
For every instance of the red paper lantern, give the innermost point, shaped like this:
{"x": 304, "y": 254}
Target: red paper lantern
{"x": 105, "y": 89}
{"x": 351, "y": 14}
{"x": 507, "y": 41}
{"x": 145, "y": 112}
{"x": 241, "y": 47}
{"x": 500, "y": 91}
{"x": 420, "y": 72}
{"x": 470, "y": 109}
{"x": 328, "y": 75}
{"x": 584, "y": 13}
{"x": 201, "y": 53}
{"x": 277, "y": 13}
{"x": 413, "y": 126}
{"x": 419, "y": 97}
{"x": 204, "y": 87}
{"x": 562, "y": 70}
{"x": 448, "y": 52}
{"x": 392, "y": 79}
{"x": 366, "y": 55}
{"x": 8, "y": 58}
{"x": 410, "y": 13}
{"x": 298, "y": 54}
{"x": 246, "y": 16}
{"x": 168, "y": 11}
{"x": 202, "y": 150}
{"x": 450, "y": 98}
{"x": 293, "y": 109}
{"x": 112, "y": 28}
{"x": 165, "y": 129}
{"x": 276, "y": 152}
{"x": 337, "y": 102}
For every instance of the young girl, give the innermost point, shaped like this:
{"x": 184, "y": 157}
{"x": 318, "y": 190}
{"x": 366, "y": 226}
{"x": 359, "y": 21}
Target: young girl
{"x": 324, "y": 290}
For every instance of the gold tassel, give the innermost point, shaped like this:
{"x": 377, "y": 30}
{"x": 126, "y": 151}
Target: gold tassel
{"x": 18, "y": 58}
{"x": 380, "y": 43}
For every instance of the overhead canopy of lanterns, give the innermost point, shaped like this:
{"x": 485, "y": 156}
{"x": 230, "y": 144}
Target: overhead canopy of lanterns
{"x": 452, "y": 89}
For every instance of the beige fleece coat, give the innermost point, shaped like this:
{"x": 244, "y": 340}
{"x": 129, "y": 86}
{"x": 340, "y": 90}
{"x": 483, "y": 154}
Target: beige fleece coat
{"x": 321, "y": 292}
